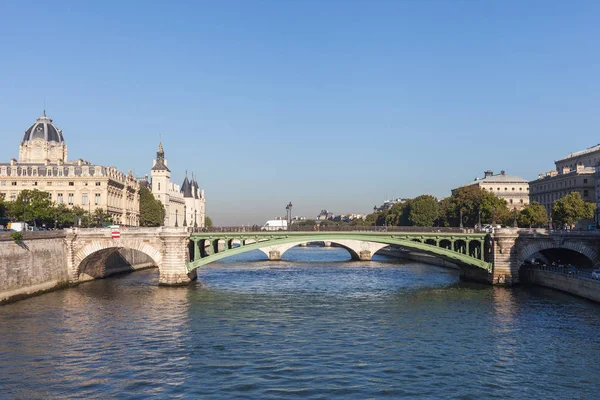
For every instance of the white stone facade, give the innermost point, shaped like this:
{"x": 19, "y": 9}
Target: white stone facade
{"x": 184, "y": 206}
{"x": 513, "y": 189}
{"x": 43, "y": 165}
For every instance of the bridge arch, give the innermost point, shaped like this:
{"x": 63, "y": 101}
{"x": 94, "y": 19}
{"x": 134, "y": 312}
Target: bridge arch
{"x": 274, "y": 245}
{"x": 527, "y": 252}
{"x": 89, "y": 260}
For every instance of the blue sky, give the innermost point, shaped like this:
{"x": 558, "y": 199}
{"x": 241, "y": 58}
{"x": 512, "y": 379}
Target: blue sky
{"x": 327, "y": 104}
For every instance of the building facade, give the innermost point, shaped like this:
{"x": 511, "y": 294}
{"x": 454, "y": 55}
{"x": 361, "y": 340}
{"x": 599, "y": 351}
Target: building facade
{"x": 185, "y": 205}
{"x": 43, "y": 165}
{"x": 513, "y": 189}
{"x": 574, "y": 173}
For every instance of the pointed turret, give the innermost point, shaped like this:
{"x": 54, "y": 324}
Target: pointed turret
{"x": 160, "y": 159}
{"x": 186, "y": 187}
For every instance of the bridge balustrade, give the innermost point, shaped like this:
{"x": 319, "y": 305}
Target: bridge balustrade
{"x": 334, "y": 228}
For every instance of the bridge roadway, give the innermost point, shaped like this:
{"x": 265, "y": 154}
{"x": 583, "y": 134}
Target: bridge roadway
{"x": 178, "y": 253}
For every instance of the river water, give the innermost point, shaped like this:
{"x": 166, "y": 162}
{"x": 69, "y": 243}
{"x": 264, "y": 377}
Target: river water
{"x": 313, "y": 326}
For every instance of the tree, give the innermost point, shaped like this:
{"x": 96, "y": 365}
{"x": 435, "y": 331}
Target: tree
{"x": 571, "y": 209}
{"x": 423, "y": 210}
{"x": 31, "y": 206}
{"x": 533, "y": 215}
{"x": 472, "y": 200}
{"x": 151, "y": 209}
{"x": 208, "y": 222}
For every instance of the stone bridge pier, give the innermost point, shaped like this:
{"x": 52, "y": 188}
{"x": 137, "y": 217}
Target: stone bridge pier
{"x": 87, "y": 250}
{"x": 511, "y": 248}
{"x": 358, "y": 249}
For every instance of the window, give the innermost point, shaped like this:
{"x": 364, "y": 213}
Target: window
{"x": 34, "y": 183}
{"x": 97, "y": 199}
{"x": 585, "y": 193}
{"x": 521, "y": 201}
{"x": 84, "y": 199}
{"x": 511, "y": 201}
{"x": 70, "y": 199}
{"x": 13, "y": 183}
{"x": 59, "y": 198}
{"x": 159, "y": 186}
{"x": 585, "y": 181}
{"x": 71, "y": 183}
{"x": 48, "y": 183}
{"x": 49, "y": 172}
{"x": 98, "y": 183}
{"x": 513, "y": 189}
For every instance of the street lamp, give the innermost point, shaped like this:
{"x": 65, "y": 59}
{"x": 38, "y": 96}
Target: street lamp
{"x": 25, "y": 201}
{"x": 184, "y": 215}
{"x": 515, "y": 224}
{"x": 479, "y": 223}
{"x": 288, "y": 210}
{"x": 493, "y": 217}
{"x": 461, "y": 218}
{"x": 375, "y": 212}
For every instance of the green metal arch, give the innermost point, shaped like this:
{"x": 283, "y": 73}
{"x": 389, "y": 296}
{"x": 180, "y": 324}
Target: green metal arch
{"x": 404, "y": 241}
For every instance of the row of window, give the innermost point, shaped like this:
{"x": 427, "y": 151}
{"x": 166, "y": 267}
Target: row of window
{"x": 59, "y": 183}
{"x": 551, "y": 197}
{"x": 60, "y": 198}
{"x": 84, "y": 199}
{"x": 506, "y": 189}
{"x": 557, "y": 185}
{"x": 22, "y": 171}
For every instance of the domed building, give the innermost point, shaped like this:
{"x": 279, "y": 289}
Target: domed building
{"x": 43, "y": 165}
{"x": 42, "y": 141}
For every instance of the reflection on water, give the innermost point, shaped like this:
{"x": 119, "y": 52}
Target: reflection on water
{"x": 300, "y": 329}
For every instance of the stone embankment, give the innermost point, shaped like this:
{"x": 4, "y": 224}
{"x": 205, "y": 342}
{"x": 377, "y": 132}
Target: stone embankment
{"x": 38, "y": 264}
{"x": 580, "y": 284}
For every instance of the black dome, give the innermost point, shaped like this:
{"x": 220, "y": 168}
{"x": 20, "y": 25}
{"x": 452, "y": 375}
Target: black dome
{"x": 44, "y": 129}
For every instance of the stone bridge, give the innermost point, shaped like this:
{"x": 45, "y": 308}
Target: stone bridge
{"x": 177, "y": 253}
{"x": 88, "y": 249}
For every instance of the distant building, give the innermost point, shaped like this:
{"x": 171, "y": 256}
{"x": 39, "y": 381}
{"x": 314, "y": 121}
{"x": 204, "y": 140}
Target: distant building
{"x": 513, "y": 189}
{"x": 43, "y": 165}
{"x": 324, "y": 215}
{"x": 574, "y": 173}
{"x": 185, "y": 205}
{"x": 389, "y": 204}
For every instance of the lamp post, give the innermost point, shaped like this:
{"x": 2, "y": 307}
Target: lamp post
{"x": 479, "y": 223}
{"x": 461, "y": 218}
{"x": 515, "y": 224}
{"x": 288, "y": 210}
{"x": 25, "y": 201}
{"x": 184, "y": 215}
{"x": 176, "y": 213}
{"x": 493, "y": 217}
{"x": 375, "y": 212}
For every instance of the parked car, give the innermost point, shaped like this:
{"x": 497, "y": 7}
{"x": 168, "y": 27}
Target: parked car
{"x": 571, "y": 269}
{"x": 596, "y": 274}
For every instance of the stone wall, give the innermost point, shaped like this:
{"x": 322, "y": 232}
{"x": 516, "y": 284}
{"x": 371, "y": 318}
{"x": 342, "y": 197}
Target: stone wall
{"x": 586, "y": 288}
{"x": 37, "y": 264}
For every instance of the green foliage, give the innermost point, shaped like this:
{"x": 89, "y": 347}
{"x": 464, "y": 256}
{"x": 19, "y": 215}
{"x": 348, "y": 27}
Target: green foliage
{"x": 533, "y": 215}
{"x": 424, "y": 210}
{"x": 208, "y": 222}
{"x": 571, "y": 209}
{"x": 151, "y": 209}
{"x": 471, "y": 200}
{"x": 17, "y": 236}
{"x": 31, "y": 206}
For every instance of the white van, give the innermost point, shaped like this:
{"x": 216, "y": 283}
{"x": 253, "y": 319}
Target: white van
{"x": 18, "y": 226}
{"x": 275, "y": 225}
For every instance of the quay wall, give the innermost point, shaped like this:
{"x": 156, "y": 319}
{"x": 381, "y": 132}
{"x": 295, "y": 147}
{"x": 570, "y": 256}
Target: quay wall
{"x": 37, "y": 264}
{"x": 586, "y": 288}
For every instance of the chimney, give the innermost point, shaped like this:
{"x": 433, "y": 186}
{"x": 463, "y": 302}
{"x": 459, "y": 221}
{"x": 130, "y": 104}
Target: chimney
{"x": 566, "y": 169}
{"x": 502, "y": 172}
{"x": 580, "y": 167}
{"x": 488, "y": 173}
